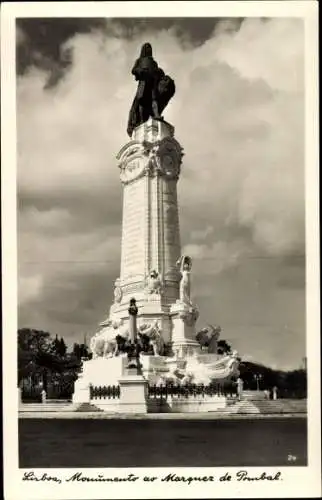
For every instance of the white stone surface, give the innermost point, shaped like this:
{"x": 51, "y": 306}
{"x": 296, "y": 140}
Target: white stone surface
{"x": 184, "y": 319}
{"x": 149, "y": 170}
{"x": 81, "y": 391}
{"x": 107, "y": 405}
{"x": 104, "y": 371}
{"x": 133, "y": 394}
{"x": 191, "y": 405}
{"x": 153, "y": 130}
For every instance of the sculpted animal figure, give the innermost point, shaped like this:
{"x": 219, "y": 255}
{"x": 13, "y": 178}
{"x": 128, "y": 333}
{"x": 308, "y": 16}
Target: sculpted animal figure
{"x": 153, "y": 332}
{"x": 103, "y": 343}
{"x": 106, "y": 341}
{"x": 208, "y": 338}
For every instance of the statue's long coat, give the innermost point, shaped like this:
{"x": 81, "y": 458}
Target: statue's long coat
{"x": 153, "y": 85}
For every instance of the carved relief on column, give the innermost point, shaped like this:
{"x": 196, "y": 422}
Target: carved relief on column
{"x": 165, "y": 158}
{"x": 149, "y": 170}
{"x": 162, "y": 157}
{"x": 147, "y": 224}
{"x": 171, "y": 235}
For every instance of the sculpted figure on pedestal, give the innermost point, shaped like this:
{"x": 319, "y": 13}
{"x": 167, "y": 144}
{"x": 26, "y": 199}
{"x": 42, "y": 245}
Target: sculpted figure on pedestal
{"x": 117, "y": 291}
{"x": 208, "y": 337}
{"x": 154, "y": 90}
{"x": 103, "y": 343}
{"x": 152, "y": 331}
{"x": 233, "y": 363}
{"x": 154, "y": 283}
{"x": 106, "y": 342}
{"x": 185, "y": 264}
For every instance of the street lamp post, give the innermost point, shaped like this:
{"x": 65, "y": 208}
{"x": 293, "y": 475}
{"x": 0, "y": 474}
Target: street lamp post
{"x": 257, "y": 377}
{"x": 133, "y": 354}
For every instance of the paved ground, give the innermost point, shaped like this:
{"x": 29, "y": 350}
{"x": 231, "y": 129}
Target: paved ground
{"x": 161, "y": 442}
{"x": 154, "y": 416}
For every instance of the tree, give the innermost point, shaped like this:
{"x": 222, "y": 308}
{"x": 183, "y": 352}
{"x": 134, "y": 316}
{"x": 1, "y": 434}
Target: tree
{"x": 62, "y": 348}
{"x": 289, "y": 384}
{"x": 223, "y": 347}
{"x": 33, "y": 349}
{"x": 33, "y": 340}
{"x": 76, "y": 350}
{"x": 59, "y": 347}
{"x": 80, "y": 351}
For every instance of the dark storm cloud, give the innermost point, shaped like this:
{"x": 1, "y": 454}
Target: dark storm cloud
{"x": 40, "y": 41}
{"x": 84, "y": 287}
{"x": 41, "y": 44}
{"x": 85, "y": 209}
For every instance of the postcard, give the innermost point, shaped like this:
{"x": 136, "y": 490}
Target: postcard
{"x": 160, "y": 248}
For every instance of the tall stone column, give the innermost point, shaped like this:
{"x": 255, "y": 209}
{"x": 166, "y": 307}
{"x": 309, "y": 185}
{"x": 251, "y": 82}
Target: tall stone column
{"x": 149, "y": 170}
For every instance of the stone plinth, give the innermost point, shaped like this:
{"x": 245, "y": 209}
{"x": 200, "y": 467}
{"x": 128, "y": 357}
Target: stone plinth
{"x": 81, "y": 391}
{"x": 153, "y": 130}
{"x": 98, "y": 372}
{"x": 184, "y": 319}
{"x": 193, "y": 404}
{"x": 133, "y": 397}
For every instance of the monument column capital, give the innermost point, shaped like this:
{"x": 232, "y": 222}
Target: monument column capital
{"x": 152, "y": 152}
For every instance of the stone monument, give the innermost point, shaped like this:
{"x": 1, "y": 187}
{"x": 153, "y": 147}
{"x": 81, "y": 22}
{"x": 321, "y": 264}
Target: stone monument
{"x": 154, "y": 277}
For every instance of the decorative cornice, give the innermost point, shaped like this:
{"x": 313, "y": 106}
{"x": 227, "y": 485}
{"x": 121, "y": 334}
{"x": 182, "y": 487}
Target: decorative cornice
{"x": 162, "y": 157}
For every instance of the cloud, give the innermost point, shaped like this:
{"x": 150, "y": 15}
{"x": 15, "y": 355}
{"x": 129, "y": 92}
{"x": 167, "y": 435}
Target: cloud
{"x": 21, "y": 37}
{"x": 202, "y": 234}
{"x": 220, "y": 255}
{"x": 238, "y": 113}
{"x": 30, "y": 287}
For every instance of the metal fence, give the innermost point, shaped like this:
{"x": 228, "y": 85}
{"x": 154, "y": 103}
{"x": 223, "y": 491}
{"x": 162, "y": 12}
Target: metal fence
{"x": 191, "y": 390}
{"x": 60, "y": 389}
{"x": 105, "y": 392}
{"x": 55, "y": 388}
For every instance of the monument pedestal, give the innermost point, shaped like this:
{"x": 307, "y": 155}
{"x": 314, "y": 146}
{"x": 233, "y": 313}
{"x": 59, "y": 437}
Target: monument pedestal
{"x": 184, "y": 317}
{"x": 81, "y": 391}
{"x": 133, "y": 397}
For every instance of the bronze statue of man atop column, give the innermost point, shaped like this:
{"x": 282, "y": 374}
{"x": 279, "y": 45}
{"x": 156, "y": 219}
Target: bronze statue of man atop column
{"x": 154, "y": 90}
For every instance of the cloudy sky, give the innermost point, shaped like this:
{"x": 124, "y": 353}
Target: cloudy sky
{"x": 239, "y": 114}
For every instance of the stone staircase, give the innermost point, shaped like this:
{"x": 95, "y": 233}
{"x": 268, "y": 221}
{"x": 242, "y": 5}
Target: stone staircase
{"x": 87, "y": 407}
{"x": 246, "y": 406}
{"x": 49, "y": 406}
{"x": 269, "y": 407}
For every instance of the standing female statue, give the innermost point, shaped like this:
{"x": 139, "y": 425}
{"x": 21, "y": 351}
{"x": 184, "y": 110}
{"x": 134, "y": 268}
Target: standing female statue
{"x": 185, "y": 264}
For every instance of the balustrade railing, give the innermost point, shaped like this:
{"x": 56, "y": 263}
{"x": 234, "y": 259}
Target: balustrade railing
{"x": 190, "y": 390}
{"x": 105, "y": 392}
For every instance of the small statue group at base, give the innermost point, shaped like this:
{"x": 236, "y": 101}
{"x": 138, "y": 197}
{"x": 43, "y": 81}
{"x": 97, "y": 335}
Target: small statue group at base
{"x": 208, "y": 338}
{"x": 154, "y": 283}
{"x": 114, "y": 339}
{"x": 193, "y": 371}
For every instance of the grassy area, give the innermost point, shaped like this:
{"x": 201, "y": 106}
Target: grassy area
{"x": 162, "y": 443}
